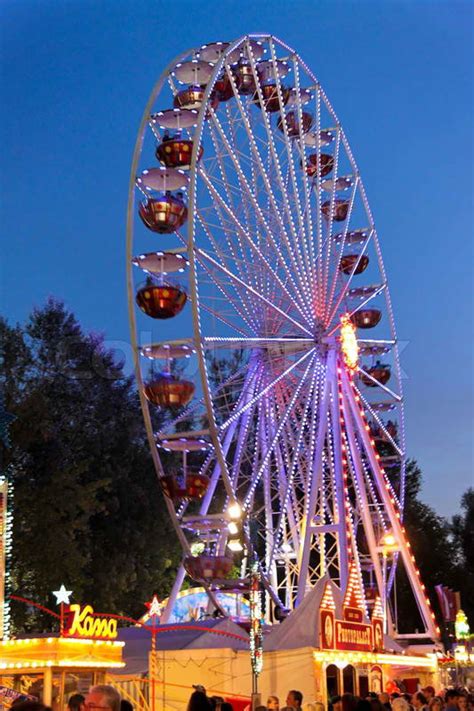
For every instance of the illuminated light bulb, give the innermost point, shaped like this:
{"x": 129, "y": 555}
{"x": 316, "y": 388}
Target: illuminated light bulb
{"x": 234, "y": 511}
{"x": 235, "y": 545}
{"x": 233, "y": 528}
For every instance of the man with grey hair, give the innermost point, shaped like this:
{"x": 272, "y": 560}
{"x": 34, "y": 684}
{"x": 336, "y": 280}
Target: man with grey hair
{"x": 102, "y": 697}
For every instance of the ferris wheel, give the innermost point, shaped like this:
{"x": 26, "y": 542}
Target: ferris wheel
{"x": 266, "y": 353}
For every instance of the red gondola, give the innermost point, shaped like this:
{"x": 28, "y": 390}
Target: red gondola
{"x": 168, "y": 391}
{"x": 326, "y": 164}
{"x": 164, "y": 214}
{"x": 208, "y": 567}
{"x": 293, "y": 124}
{"x": 271, "y": 101}
{"x": 366, "y": 318}
{"x": 192, "y": 486}
{"x": 176, "y": 153}
{"x": 348, "y": 262}
{"x": 380, "y": 372}
{"x": 340, "y": 209}
{"x": 161, "y": 300}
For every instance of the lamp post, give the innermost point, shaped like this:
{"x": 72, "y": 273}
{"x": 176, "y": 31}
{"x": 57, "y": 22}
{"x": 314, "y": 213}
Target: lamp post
{"x": 388, "y": 545}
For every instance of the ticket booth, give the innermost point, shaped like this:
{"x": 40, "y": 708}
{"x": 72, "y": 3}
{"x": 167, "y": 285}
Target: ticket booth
{"x": 51, "y": 669}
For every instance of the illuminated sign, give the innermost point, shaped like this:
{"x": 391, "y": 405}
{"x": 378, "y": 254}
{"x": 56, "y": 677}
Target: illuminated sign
{"x": 82, "y": 622}
{"x": 353, "y": 635}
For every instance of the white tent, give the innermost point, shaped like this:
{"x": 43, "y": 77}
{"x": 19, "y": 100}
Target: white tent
{"x": 301, "y": 627}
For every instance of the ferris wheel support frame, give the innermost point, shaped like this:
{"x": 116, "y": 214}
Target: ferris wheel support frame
{"x": 422, "y": 600}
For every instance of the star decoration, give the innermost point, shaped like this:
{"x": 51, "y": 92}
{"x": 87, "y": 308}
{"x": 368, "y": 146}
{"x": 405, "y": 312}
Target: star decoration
{"x": 155, "y": 607}
{"x": 62, "y": 595}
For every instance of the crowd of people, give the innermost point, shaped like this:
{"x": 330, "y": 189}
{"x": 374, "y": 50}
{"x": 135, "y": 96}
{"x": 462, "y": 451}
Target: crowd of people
{"x": 106, "y": 698}
{"x": 425, "y": 700}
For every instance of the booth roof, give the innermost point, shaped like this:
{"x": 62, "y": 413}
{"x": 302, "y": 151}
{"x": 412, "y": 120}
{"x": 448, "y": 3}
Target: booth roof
{"x": 191, "y": 635}
{"x": 301, "y": 627}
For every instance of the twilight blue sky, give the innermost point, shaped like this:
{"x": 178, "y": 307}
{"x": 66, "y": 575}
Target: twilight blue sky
{"x": 75, "y": 78}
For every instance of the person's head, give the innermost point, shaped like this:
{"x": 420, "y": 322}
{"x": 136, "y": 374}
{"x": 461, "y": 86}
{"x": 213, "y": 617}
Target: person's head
{"x": 435, "y": 704}
{"x": 126, "y": 705}
{"x": 384, "y": 698}
{"x": 400, "y": 704}
{"x": 198, "y": 701}
{"x": 216, "y": 701}
{"x": 75, "y": 702}
{"x": 375, "y": 703}
{"x": 349, "y": 702}
{"x": 273, "y": 702}
{"x": 226, "y": 706}
{"x": 418, "y": 700}
{"x": 429, "y": 692}
{"x": 336, "y": 703}
{"x": 294, "y": 699}
{"x": 363, "y": 705}
{"x": 462, "y": 702}
{"x": 102, "y": 697}
{"x": 29, "y": 705}
{"x": 451, "y": 697}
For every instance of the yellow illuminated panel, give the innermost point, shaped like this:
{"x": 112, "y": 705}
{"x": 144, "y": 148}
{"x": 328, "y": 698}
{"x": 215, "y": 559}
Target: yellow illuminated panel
{"x": 399, "y": 660}
{"x": 349, "y": 346}
{"x": 60, "y": 652}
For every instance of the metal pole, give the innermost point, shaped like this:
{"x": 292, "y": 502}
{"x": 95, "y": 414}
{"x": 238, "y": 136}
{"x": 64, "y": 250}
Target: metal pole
{"x": 384, "y": 591}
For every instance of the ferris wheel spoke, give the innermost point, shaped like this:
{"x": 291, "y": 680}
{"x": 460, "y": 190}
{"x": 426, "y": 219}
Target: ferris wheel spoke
{"x": 347, "y": 283}
{"x": 280, "y": 427}
{"x": 229, "y": 299}
{"x": 330, "y": 221}
{"x": 298, "y": 233}
{"x": 255, "y": 248}
{"x": 290, "y": 248}
{"x": 267, "y": 414}
{"x": 307, "y": 212}
{"x": 268, "y": 388}
{"x": 294, "y": 462}
{"x": 304, "y": 231}
{"x": 204, "y": 256}
{"x": 380, "y": 424}
{"x": 230, "y": 190}
{"x": 378, "y": 290}
{"x": 337, "y": 262}
{"x": 380, "y": 385}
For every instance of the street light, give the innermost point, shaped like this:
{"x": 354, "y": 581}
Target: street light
{"x": 388, "y": 545}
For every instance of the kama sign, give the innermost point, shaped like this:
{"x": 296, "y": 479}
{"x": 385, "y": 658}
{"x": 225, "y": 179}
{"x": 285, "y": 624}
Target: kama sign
{"x": 82, "y": 622}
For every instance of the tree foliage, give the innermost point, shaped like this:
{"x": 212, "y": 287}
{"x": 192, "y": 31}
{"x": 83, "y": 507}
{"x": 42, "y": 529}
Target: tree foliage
{"x": 438, "y": 548}
{"x": 87, "y": 508}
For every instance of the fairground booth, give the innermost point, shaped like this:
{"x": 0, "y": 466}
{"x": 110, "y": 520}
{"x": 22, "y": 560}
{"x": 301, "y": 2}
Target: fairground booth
{"x": 53, "y": 667}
